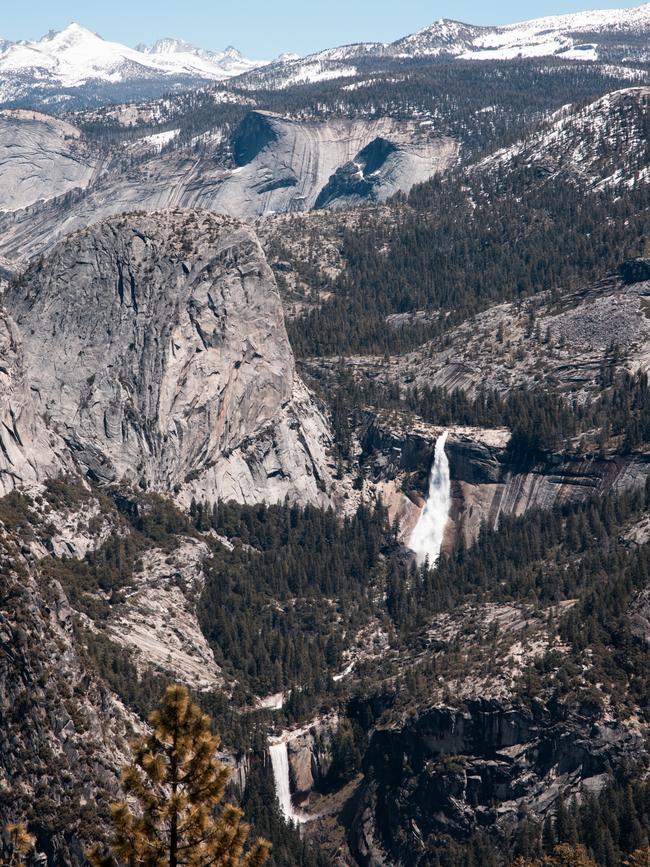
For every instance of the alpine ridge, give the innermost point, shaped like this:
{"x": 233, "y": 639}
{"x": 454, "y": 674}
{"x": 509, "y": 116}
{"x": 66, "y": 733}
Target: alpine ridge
{"x": 76, "y": 64}
{"x": 615, "y": 35}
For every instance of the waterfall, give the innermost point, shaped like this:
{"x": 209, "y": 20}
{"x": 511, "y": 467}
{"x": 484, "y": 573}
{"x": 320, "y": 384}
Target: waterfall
{"x": 280, "y": 765}
{"x": 426, "y": 538}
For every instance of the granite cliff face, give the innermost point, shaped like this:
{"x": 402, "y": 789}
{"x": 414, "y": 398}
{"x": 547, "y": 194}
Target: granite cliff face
{"x": 286, "y": 165}
{"x": 453, "y": 771}
{"x": 41, "y": 157}
{"x": 29, "y": 452}
{"x": 165, "y": 361}
{"x": 281, "y": 165}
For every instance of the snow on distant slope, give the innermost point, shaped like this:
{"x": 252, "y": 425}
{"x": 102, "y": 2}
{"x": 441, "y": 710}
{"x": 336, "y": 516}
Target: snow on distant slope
{"x": 177, "y": 54}
{"x": 71, "y": 57}
{"x": 560, "y": 34}
{"x": 290, "y": 70}
{"x": 75, "y": 57}
{"x": 614, "y": 35}
{"x": 441, "y": 37}
{"x": 573, "y": 36}
{"x": 308, "y": 73}
{"x": 598, "y": 145}
{"x": 78, "y": 66}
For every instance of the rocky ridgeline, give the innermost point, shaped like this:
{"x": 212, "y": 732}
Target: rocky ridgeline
{"x": 280, "y": 165}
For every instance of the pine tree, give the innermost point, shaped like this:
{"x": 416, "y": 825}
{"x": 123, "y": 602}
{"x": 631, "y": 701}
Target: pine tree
{"x": 177, "y": 783}
{"x": 565, "y": 855}
{"x": 21, "y": 843}
{"x": 639, "y": 858}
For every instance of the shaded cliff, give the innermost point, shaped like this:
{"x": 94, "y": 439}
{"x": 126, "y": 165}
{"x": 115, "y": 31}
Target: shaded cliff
{"x": 452, "y": 771}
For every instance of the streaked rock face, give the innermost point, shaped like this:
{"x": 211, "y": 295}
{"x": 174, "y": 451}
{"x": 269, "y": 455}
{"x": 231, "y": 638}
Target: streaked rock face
{"x": 282, "y": 166}
{"x": 29, "y": 452}
{"x": 286, "y": 165}
{"x": 40, "y": 157}
{"x": 156, "y": 344}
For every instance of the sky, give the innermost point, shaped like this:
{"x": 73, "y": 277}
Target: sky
{"x": 262, "y": 29}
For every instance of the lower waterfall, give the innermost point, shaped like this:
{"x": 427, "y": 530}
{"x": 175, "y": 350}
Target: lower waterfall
{"x": 280, "y": 765}
{"x": 426, "y": 538}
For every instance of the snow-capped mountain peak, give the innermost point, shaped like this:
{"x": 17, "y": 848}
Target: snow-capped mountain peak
{"x": 610, "y": 36}
{"x": 72, "y": 56}
{"x": 76, "y": 65}
{"x": 75, "y": 57}
{"x": 166, "y": 46}
{"x": 207, "y": 63}
{"x": 71, "y": 35}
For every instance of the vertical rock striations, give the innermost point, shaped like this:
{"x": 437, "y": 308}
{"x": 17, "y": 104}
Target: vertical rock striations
{"x": 29, "y": 453}
{"x": 156, "y": 344}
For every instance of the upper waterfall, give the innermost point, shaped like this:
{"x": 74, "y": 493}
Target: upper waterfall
{"x": 426, "y": 538}
{"x": 280, "y": 765}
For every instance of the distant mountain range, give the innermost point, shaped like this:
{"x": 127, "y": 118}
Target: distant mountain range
{"x": 614, "y": 35}
{"x": 77, "y": 67}
{"x": 61, "y": 66}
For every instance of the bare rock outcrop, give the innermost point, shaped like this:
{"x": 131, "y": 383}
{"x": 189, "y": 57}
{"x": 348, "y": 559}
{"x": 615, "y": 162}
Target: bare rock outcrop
{"x": 29, "y": 452}
{"x": 158, "y": 622}
{"x": 281, "y": 165}
{"x": 156, "y": 345}
{"x": 40, "y": 157}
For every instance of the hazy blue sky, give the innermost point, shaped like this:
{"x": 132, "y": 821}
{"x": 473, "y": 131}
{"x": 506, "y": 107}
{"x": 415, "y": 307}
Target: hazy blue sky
{"x": 264, "y": 28}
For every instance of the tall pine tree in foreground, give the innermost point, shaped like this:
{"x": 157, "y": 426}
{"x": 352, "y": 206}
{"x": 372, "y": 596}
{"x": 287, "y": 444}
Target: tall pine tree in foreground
{"x": 173, "y": 787}
{"x": 21, "y": 843}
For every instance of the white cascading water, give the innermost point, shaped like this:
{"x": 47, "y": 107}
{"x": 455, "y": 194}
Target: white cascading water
{"x": 280, "y": 765}
{"x": 426, "y": 538}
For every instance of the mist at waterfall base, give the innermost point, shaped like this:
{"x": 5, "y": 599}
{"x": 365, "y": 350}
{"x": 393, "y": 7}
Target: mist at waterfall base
{"x": 426, "y": 538}
{"x": 280, "y": 765}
